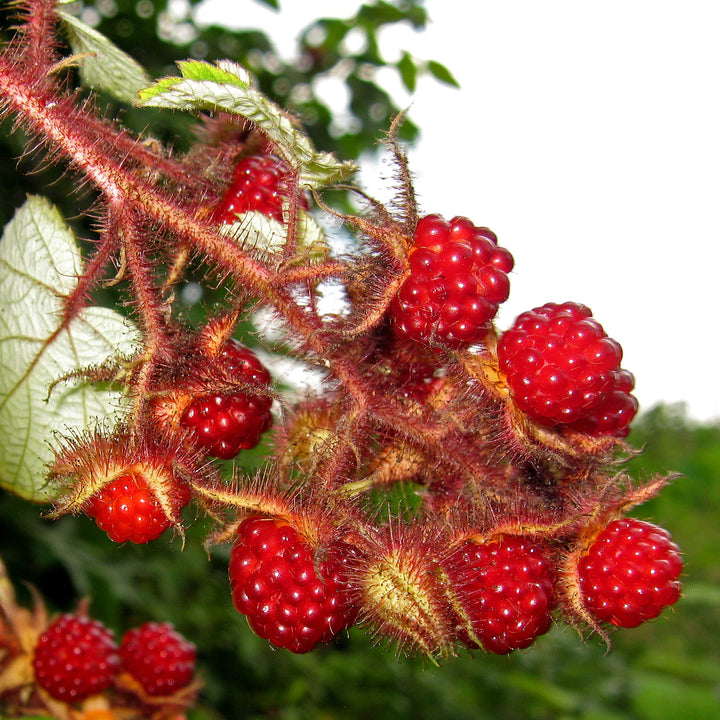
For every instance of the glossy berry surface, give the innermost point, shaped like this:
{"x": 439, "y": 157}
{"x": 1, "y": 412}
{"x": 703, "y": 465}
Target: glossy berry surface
{"x": 259, "y": 183}
{"x": 564, "y": 370}
{"x": 505, "y": 588}
{"x": 458, "y": 278}
{"x": 128, "y": 511}
{"x": 225, "y": 424}
{"x": 75, "y": 657}
{"x": 630, "y": 573}
{"x": 158, "y": 657}
{"x": 289, "y": 598}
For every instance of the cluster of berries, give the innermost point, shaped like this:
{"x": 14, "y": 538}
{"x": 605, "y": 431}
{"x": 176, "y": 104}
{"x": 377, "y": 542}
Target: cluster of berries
{"x": 76, "y": 657}
{"x": 560, "y": 369}
{"x": 559, "y": 364}
{"x": 500, "y": 594}
{"x": 496, "y": 587}
{"x": 131, "y": 508}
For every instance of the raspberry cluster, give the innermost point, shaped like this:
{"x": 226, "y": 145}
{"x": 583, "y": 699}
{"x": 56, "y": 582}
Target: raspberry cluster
{"x": 290, "y": 597}
{"x": 564, "y": 370}
{"x": 458, "y": 278}
{"x": 225, "y": 424}
{"x": 260, "y": 183}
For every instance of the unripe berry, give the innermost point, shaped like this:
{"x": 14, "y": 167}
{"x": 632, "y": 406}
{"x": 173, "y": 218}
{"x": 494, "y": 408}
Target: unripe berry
{"x": 75, "y": 657}
{"x": 402, "y": 591}
{"x": 458, "y": 277}
{"x": 630, "y": 573}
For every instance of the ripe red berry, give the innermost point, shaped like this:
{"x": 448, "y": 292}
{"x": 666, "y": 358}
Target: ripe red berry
{"x": 630, "y": 573}
{"x": 564, "y": 370}
{"x": 289, "y": 597}
{"x": 260, "y": 183}
{"x": 127, "y": 509}
{"x": 505, "y": 588}
{"x": 158, "y": 657}
{"x": 225, "y": 424}
{"x": 75, "y": 657}
{"x": 458, "y": 277}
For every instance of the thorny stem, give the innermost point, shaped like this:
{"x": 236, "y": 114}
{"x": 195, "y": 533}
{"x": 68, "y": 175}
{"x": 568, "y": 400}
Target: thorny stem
{"x": 57, "y": 124}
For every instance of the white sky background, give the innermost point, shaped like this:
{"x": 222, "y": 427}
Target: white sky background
{"x": 587, "y": 136}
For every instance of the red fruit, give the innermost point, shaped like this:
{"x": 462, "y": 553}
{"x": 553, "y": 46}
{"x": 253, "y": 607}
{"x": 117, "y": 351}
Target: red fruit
{"x": 260, "y": 183}
{"x": 505, "y": 588}
{"x": 75, "y": 657}
{"x": 564, "y": 370}
{"x": 630, "y": 573}
{"x": 458, "y": 277}
{"x": 127, "y": 509}
{"x": 158, "y": 657}
{"x": 289, "y": 596}
{"x": 225, "y": 424}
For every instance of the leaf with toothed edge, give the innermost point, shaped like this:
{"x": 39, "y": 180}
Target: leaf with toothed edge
{"x": 39, "y": 266}
{"x": 103, "y": 65}
{"x": 228, "y": 87}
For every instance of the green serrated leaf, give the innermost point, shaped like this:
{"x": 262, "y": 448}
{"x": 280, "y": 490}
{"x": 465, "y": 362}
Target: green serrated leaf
{"x": 103, "y": 65}
{"x": 441, "y": 73}
{"x": 227, "y": 87}
{"x": 224, "y": 71}
{"x": 39, "y": 265}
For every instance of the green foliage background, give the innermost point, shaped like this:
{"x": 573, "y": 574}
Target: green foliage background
{"x": 666, "y": 670}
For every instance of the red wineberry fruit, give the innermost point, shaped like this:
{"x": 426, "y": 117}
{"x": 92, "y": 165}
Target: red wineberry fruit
{"x": 260, "y": 183}
{"x": 563, "y": 369}
{"x": 225, "y": 424}
{"x": 75, "y": 657}
{"x": 458, "y": 278}
{"x": 289, "y": 597}
{"x": 630, "y": 573}
{"x": 158, "y": 657}
{"x": 505, "y": 589}
{"x": 128, "y": 510}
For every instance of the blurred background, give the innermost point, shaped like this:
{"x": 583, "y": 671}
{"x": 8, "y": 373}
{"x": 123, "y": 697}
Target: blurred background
{"x": 586, "y": 137}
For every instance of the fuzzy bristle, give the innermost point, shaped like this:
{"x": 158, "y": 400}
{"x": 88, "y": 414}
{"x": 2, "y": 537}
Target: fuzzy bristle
{"x": 401, "y": 593}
